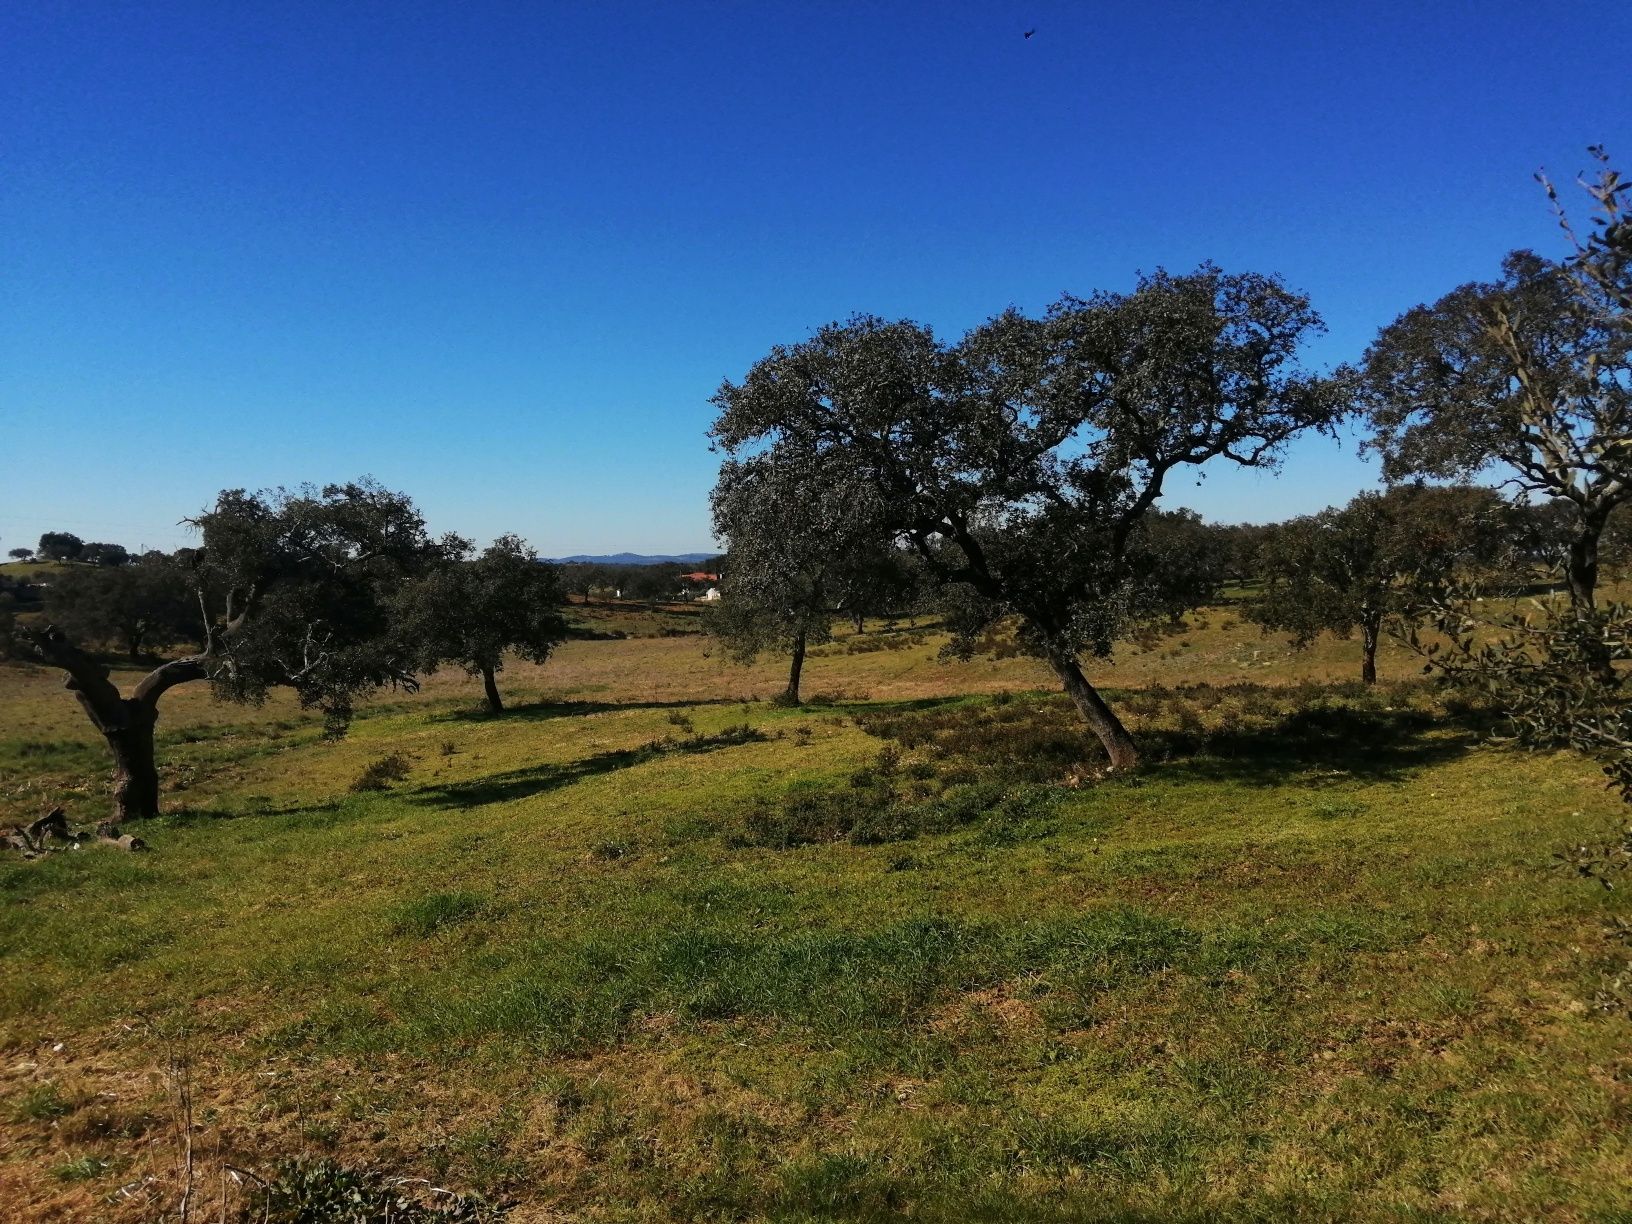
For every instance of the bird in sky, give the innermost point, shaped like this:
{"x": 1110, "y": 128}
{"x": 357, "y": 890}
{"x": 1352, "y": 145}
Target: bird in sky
{"x": 1029, "y": 33}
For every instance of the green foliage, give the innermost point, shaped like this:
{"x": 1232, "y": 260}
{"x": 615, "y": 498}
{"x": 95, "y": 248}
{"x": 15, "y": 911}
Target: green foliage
{"x": 471, "y": 612}
{"x": 1543, "y": 666}
{"x": 97, "y": 553}
{"x": 327, "y": 1192}
{"x": 60, "y": 546}
{"x": 1382, "y": 560}
{"x": 302, "y": 589}
{"x": 42, "y": 1103}
{"x": 141, "y": 608}
{"x": 803, "y": 538}
{"x": 86, "y": 1168}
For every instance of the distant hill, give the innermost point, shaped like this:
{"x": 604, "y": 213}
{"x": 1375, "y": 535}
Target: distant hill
{"x": 639, "y": 559}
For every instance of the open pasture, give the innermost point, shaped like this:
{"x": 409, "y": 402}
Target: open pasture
{"x": 647, "y": 947}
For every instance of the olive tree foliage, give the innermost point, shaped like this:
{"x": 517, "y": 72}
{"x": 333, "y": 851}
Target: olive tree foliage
{"x": 1021, "y": 462}
{"x": 20, "y": 554}
{"x": 803, "y": 534}
{"x": 294, "y": 590}
{"x": 1530, "y": 375}
{"x": 472, "y": 612}
{"x": 1383, "y": 561}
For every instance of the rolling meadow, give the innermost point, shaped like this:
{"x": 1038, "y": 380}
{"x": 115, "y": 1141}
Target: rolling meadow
{"x": 649, "y": 946}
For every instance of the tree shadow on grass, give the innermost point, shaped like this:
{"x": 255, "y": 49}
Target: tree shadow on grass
{"x": 1311, "y": 746}
{"x": 537, "y": 779}
{"x": 540, "y": 711}
{"x": 1251, "y": 734}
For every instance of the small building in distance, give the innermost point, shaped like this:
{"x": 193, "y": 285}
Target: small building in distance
{"x": 698, "y": 579}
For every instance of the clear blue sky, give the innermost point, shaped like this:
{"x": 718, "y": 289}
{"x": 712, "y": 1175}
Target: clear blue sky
{"x": 500, "y": 255}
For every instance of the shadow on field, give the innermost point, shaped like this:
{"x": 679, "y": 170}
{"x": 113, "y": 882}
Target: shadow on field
{"x": 540, "y": 711}
{"x": 536, "y": 779}
{"x": 1257, "y": 735}
{"x": 1335, "y": 742}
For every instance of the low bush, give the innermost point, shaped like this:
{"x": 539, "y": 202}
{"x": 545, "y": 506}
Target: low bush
{"x": 380, "y": 774}
{"x": 309, "y": 1191}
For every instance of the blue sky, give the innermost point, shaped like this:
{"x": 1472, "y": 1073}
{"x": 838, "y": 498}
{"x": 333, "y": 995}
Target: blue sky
{"x": 500, "y": 255}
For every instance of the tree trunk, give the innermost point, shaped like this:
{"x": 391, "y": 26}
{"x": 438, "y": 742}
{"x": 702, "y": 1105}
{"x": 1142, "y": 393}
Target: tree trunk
{"x": 1370, "y": 629}
{"x": 1100, "y": 717}
{"x": 492, "y": 687}
{"x": 135, "y": 771}
{"x": 495, "y": 703}
{"x": 791, "y": 695}
{"x": 125, "y": 722}
{"x": 1581, "y": 576}
{"x": 1581, "y": 566}
{"x": 860, "y": 628}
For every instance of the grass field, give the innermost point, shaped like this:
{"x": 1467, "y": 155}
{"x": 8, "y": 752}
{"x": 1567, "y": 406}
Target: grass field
{"x": 650, "y": 948}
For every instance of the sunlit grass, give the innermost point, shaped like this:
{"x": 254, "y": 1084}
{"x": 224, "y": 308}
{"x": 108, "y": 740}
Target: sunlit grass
{"x": 1314, "y": 962}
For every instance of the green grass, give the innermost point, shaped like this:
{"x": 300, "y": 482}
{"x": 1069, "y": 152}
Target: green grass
{"x": 1315, "y": 962}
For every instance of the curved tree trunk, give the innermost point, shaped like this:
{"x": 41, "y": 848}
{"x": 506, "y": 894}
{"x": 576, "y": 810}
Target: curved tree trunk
{"x": 494, "y": 702}
{"x": 791, "y": 694}
{"x": 1100, "y": 717}
{"x": 125, "y": 722}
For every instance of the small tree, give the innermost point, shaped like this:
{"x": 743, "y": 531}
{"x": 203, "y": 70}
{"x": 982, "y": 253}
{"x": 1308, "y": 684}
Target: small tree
{"x": 149, "y": 606}
{"x": 472, "y": 612}
{"x": 584, "y": 578}
{"x": 1385, "y": 558}
{"x": 800, "y": 531}
{"x": 879, "y": 582}
{"x": 1020, "y": 463}
{"x": 60, "y": 546}
{"x": 21, "y": 554}
{"x": 294, "y": 590}
{"x": 97, "y": 553}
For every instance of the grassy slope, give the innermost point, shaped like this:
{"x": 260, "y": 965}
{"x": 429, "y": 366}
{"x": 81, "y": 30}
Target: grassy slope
{"x": 1336, "y": 982}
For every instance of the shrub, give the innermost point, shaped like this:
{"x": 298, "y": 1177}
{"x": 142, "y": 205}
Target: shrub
{"x": 306, "y": 1192}
{"x": 390, "y": 768}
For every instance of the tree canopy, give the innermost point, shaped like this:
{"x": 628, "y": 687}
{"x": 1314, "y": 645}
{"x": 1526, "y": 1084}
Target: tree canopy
{"x": 1384, "y": 557}
{"x": 1021, "y": 461}
{"x": 471, "y": 612}
{"x": 1529, "y": 375}
{"x": 803, "y": 536}
{"x": 294, "y": 590}
{"x": 60, "y": 546}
